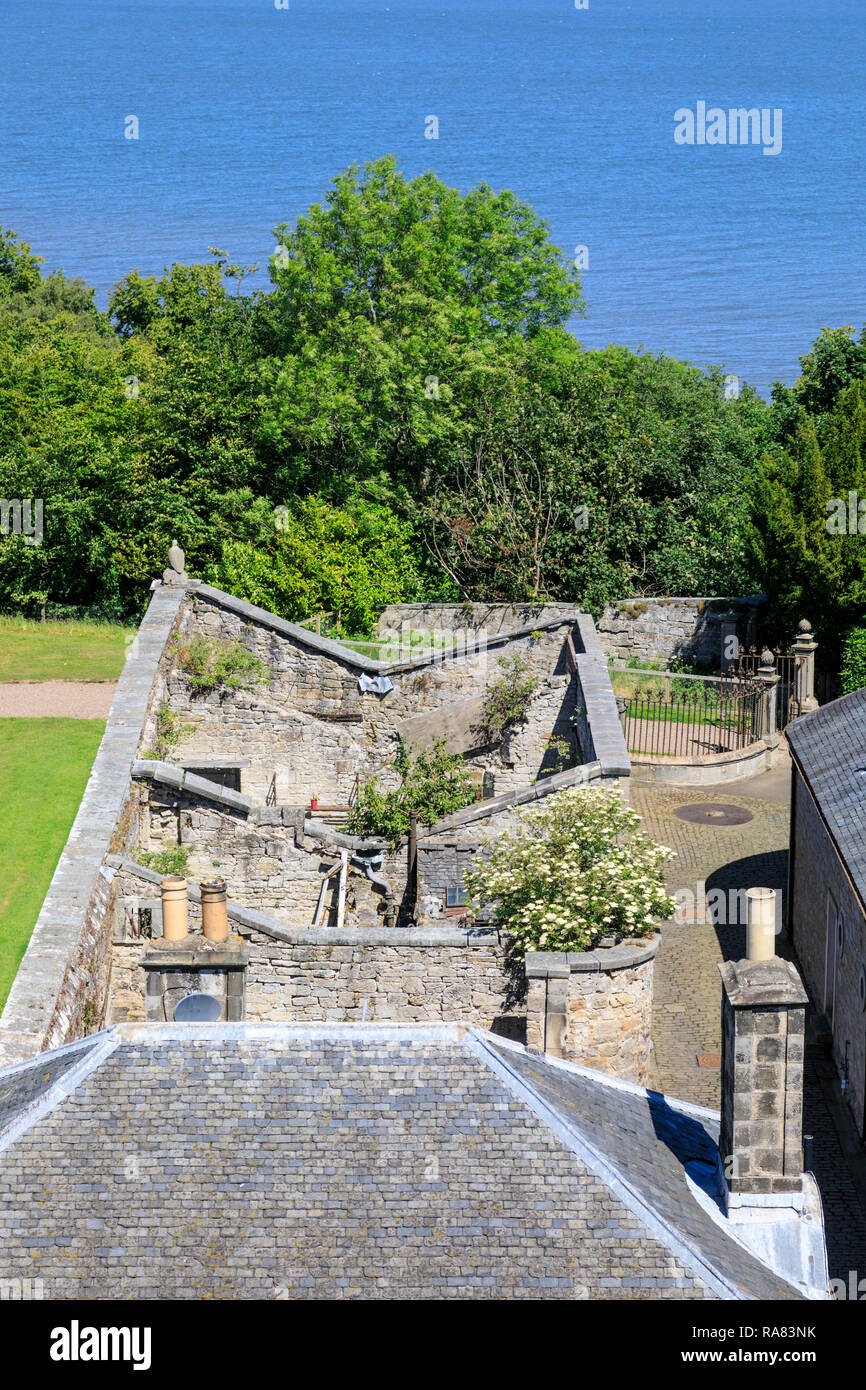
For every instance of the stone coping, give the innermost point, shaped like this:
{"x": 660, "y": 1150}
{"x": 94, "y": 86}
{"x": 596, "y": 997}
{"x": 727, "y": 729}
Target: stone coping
{"x": 358, "y": 844}
{"x": 326, "y": 936}
{"x": 602, "y": 715}
{"x": 178, "y": 778}
{"x": 337, "y": 652}
{"x": 37, "y": 987}
{"x": 588, "y": 636}
{"x": 535, "y": 791}
{"x": 561, "y": 964}
{"x": 708, "y": 769}
{"x": 752, "y": 599}
{"x": 758, "y": 984}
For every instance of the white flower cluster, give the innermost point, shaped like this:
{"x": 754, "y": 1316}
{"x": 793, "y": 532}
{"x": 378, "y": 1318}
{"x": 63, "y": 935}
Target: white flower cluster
{"x": 572, "y": 871}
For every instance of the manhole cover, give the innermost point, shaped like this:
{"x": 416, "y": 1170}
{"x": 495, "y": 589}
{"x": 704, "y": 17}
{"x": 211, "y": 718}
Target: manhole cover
{"x": 713, "y": 813}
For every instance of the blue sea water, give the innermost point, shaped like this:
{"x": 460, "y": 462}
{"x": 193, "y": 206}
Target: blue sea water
{"x": 246, "y": 111}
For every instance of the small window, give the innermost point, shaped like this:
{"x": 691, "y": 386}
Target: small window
{"x": 456, "y": 895}
{"x": 840, "y": 933}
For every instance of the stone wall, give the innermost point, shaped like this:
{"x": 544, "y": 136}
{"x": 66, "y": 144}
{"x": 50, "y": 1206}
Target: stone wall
{"x": 491, "y": 618}
{"x": 312, "y": 729}
{"x": 594, "y": 1007}
{"x": 266, "y": 862}
{"x": 441, "y": 974}
{"x": 815, "y": 861}
{"x": 311, "y": 720}
{"x": 665, "y": 629}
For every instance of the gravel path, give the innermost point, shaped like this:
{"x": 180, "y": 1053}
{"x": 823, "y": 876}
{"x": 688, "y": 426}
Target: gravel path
{"x": 56, "y": 699}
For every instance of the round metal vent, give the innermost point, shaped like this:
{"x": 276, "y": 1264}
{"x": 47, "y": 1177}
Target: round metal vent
{"x": 713, "y": 813}
{"x": 197, "y": 1008}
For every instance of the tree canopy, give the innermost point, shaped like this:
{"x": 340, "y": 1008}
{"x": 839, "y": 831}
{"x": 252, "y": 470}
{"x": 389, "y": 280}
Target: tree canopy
{"x": 407, "y": 398}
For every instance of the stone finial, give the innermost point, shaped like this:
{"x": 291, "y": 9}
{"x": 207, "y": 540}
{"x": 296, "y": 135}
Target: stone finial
{"x": 804, "y": 627}
{"x": 768, "y": 658}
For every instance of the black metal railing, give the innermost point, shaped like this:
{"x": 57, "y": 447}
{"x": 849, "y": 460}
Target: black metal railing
{"x": 785, "y": 664}
{"x": 718, "y": 717}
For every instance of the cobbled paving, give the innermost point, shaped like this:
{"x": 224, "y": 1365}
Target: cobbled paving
{"x": 687, "y": 987}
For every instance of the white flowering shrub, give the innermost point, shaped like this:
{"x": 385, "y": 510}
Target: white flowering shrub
{"x": 572, "y": 871}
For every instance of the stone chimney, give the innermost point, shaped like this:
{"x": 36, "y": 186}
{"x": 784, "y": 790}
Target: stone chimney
{"x": 763, "y": 1025}
{"x": 178, "y": 964}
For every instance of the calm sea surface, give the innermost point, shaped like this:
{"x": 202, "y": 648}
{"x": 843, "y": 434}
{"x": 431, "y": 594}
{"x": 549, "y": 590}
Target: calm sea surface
{"x": 717, "y": 254}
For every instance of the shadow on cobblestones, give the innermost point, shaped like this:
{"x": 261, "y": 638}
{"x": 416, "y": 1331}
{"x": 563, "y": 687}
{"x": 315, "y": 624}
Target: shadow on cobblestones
{"x": 729, "y": 913}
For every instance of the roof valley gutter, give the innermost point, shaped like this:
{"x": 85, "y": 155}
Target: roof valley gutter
{"x": 619, "y": 1185}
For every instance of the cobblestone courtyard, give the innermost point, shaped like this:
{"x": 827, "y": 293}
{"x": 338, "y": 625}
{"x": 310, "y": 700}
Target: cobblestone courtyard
{"x": 686, "y": 1009}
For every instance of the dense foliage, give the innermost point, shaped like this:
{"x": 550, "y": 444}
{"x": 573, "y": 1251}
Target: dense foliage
{"x": 810, "y": 499}
{"x": 573, "y": 871}
{"x": 433, "y": 783}
{"x": 853, "y": 668}
{"x": 404, "y": 415}
{"x": 508, "y": 695}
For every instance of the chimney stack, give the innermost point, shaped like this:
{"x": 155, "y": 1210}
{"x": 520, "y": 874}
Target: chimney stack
{"x": 763, "y": 1027}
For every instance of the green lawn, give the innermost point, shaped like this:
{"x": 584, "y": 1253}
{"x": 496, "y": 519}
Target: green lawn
{"x": 44, "y": 767}
{"x": 61, "y": 651}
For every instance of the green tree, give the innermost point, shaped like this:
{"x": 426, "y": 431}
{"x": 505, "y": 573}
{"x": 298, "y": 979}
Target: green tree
{"x": 813, "y": 565}
{"x": 389, "y": 302}
{"x": 322, "y": 558}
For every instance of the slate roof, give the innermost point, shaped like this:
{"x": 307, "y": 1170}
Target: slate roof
{"x": 829, "y": 746}
{"x": 403, "y": 1161}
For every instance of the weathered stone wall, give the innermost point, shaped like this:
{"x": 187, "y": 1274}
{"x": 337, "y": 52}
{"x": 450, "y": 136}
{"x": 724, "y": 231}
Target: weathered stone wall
{"x": 312, "y": 728}
{"x": 443, "y": 974}
{"x": 815, "y": 861}
{"x": 491, "y": 618}
{"x": 400, "y": 983}
{"x": 262, "y": 860}
{"x": 594, "y": 1007}
{"x": 608, "y": 1021}
{"x": 663, "y": 629}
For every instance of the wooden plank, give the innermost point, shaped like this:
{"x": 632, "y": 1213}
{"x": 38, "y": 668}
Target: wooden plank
{"x": 320, "y": 905}
{"x": 341, "y": 891}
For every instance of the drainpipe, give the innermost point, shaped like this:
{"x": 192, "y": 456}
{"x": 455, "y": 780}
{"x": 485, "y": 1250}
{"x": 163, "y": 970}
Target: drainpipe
{"x": 370, "y": 866}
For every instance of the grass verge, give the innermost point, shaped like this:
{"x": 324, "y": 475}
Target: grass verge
{"x": 44, "y": 767}
{"x": 61, "y": 651}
